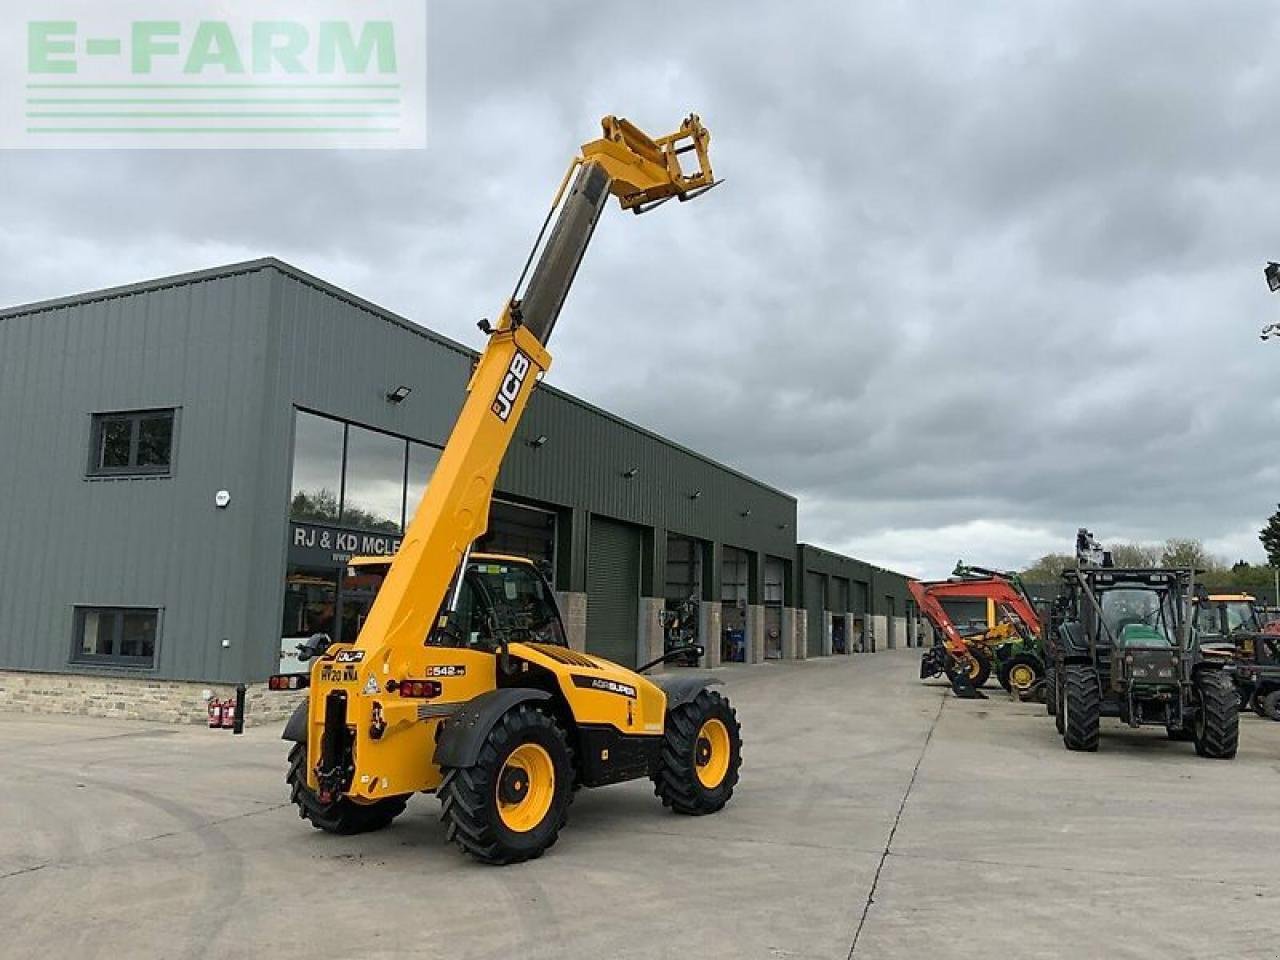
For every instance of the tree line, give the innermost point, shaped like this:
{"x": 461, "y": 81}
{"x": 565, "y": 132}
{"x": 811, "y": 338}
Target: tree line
{"x": 1219, "y": 574}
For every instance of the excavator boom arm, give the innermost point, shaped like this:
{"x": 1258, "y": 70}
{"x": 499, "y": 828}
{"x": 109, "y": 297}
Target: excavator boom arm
{"x": 1006, "y": 595}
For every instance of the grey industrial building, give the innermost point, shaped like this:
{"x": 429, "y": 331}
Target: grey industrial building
{"x": 191, "y": 461}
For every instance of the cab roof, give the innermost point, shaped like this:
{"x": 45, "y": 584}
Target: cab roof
{"x": 384, "y": 561}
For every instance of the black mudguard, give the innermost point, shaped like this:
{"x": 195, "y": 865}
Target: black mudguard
{"x": 296, "y": 728}
{"x": 463, "y": 734}
{"x": 681, "y": 688}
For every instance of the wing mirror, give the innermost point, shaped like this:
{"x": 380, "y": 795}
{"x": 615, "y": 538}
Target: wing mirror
{"x": 314, "y": 646}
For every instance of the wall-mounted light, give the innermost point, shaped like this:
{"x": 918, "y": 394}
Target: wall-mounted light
{"x": 538, "y": 441}
{"x": 399, "y": 393}
{"x": 695, "y": 495}
{"x": 782, "y": 526}
{"x": 746, "y": 512}
{"x": 630, "y": 474}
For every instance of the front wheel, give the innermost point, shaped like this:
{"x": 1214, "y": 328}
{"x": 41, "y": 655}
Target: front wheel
{"x": 1082, "y": 708}
{"x": 1216, "y": 728}
{"x": 1271, "y": 705}
{"x": 510, "y": 804}
{"x": 343, "y": 815}
{"x": 1051, "y": 692}
{"x": 701, "y": 755}
{"x": 978, "y": 667}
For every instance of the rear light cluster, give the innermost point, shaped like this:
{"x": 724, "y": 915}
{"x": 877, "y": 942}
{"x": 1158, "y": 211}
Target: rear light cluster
{"x": 419, "y": 688}
{"x": 289, "y": 681}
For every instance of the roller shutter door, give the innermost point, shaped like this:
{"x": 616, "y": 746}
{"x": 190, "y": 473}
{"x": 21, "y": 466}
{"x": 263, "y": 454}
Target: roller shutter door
{"x": 815, "y": 602}
{"x": 840, "y": 603}
{"x": 613, "y": 591}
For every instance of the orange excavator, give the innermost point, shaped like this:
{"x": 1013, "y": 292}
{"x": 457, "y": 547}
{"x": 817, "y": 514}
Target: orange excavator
{"x": 1010, "y": 644}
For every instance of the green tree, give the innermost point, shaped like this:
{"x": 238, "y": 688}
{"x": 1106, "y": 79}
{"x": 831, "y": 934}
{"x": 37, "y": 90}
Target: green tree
{"x": 1048, "y": 569}
{"x": 1136, "y": 556}
{"x": 1270, "y": 537}
{"x": 1186, "y": 552}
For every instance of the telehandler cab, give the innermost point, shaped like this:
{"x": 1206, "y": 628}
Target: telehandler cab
{"x": 461, "y": 681}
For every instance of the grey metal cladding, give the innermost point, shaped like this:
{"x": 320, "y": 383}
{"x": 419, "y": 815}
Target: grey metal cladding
{"x": 198, "y": 346}
{"x": 879, "y": 582}
{"x": 235, "y": 350}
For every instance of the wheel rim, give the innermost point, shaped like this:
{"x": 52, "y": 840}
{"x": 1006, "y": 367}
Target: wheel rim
{"x": 526, "y": 786}
{"x": 975, "y": 668}
{"x": 1021, "y": 677}
{"x": 711, "y": 753}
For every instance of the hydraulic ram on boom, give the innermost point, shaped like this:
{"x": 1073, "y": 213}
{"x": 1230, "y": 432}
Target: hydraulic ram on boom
{"x": 371, "y": 726}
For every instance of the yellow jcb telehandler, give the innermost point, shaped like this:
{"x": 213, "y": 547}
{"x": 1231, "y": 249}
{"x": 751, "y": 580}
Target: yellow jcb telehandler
{"x": 461, "y": 681}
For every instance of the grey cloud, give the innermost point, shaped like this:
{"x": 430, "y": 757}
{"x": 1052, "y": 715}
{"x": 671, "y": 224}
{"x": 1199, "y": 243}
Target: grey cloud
{"x": 978, "y": 273}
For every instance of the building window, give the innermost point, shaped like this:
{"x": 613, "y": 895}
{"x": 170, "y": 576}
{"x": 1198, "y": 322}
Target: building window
{"x": 355, "y": 477}
{"x": 124, "y": 444}
{"x": 373, "y": 484}
{"x": 118, "y": 636}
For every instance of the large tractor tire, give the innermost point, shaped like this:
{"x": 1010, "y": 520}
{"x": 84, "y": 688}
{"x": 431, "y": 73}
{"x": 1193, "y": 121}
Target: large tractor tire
{"x": 342, "y": 816}
{"x": 1082, "y": 708}
{"x": 1020, "y": 673}
{"x": 1051, "y": 692}
{"x": 1216, "y": 728}
{"x": 510, "y": 804}
{"x": 701, "y": 755}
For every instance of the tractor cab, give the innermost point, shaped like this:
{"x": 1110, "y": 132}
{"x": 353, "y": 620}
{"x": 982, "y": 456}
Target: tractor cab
{"x": 502, "y": 600}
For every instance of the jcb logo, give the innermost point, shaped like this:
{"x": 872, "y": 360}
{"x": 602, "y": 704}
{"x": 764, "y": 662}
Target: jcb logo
{"x": 505, "y": 401}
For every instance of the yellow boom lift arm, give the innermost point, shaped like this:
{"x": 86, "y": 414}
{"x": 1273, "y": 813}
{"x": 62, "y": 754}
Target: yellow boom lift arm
{"x": 640, "y": 172}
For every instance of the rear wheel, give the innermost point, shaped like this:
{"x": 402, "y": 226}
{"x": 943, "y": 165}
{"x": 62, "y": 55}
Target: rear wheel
{"x": 1082, "y": 708}
{"x": 510, "y": 804}
{"x": 1051, "y": 692}
{"x": 701, "y": 755}
{"x": 1216, "y": 728}
{"x": 344, "y": 815}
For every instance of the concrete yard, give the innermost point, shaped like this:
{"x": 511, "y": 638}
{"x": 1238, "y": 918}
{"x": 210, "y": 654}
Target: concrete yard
{"x": 122, "y": 839}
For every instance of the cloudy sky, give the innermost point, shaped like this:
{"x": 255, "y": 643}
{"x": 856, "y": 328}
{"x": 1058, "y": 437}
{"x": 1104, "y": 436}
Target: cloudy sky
{"x": 978, "y": 274}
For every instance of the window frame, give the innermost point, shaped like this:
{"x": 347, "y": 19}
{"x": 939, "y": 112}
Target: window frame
{"x": 79, "y": 613}
{"x": 97, "y": 423}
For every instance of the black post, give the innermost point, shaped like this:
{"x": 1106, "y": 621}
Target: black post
{"x": 238, "y": 727}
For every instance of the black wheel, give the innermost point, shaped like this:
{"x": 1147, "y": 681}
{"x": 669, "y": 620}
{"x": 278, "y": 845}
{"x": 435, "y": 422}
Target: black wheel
{"x": 979, "y": 667}
{"x": 1216, "y": 729}
{"x": 1082, "y": 708}
{"x": 1059, "y": 704}
{"x": 1244, "y": 695}
{"x": 1051, "y": 692}
{"x": 343, "y": 815}
{"x": 510, "y": 804}
{"x": 1271, "y": 705}
{"x": 1020, "y": 673}
{"x": 1259, "y": 705}
{"x": 701, "y": 755}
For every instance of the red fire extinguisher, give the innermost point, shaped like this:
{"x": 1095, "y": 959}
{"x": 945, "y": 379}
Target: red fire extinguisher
{"x": 228, "y": 713}
{"x": 215, "y": 713}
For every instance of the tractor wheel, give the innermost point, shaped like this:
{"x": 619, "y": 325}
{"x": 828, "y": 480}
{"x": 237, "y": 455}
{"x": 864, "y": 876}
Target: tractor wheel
{"x": 1271, "y": 705}
{"x": 1051, "y": 692}
{"x": 1019, "y": 674}
{"x": 979, "y": 667}
{"x": 343, "y": 815}
{"x": 510, "y": 804}
{"x": 1082, "y": 708}
{"x": 701, "y": 755}
{"x": 1217, "y": 721}
{"x": 1059, "y": 704}
{"x": 1259, "y": 705}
